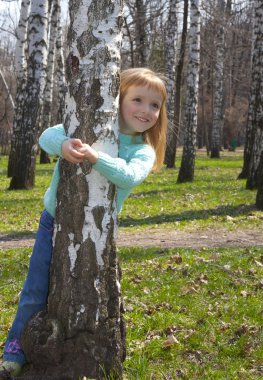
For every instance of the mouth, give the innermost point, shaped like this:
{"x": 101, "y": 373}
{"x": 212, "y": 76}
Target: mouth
{"x": 142, "y": 119}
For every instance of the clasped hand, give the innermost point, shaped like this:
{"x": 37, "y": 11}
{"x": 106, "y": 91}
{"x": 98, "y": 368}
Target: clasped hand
{"x": 74, "y": 151}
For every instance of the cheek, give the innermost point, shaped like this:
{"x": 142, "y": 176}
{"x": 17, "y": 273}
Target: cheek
{"x": 157, "y": 114}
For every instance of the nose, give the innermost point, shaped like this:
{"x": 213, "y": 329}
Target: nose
{"x": 146, "y": 108}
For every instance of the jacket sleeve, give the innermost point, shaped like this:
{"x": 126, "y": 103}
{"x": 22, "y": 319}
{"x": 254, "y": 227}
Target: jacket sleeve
{"x": 124, "y": 174}
{"x": 52, "y": 138}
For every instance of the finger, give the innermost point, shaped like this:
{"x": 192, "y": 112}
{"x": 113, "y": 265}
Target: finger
{"x": 76, "y": 154}
{"x": 76, "y": 142}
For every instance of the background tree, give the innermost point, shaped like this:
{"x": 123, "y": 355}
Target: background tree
{"x": 259, "y": 197}
{"x": 84, "y": 330}
{"x": 60, "y": 83}
{"x": 173, "y": 131}
{"x": 254, "y": 144}
{"x": 140, "y": 36}
{"x": 186, "y": 172}
{"x": 45, "y": 122}
{"x": 218, "y": 101}
{"x": 143, "y": 40}
{"x": 20, "y": 72}
{"x": 24, "y": 143}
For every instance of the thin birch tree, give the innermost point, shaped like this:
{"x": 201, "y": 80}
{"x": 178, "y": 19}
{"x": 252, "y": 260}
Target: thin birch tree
{"x": 173, "y": 131}
{"x": 24, "y": 144}
{"x": 218, "y": 102}
{"x": 255, "y": 126}
{"x": 45, "y": 121}
{"x": 186, "y": 172}
{"x": 84, "y": 329}
{"x": 20, "y": 68}
{"x": 60, "y": 81}
{"x": 140, "y": 33}
{"x": 259, "y": 197}
{"x": 170, "y": 63}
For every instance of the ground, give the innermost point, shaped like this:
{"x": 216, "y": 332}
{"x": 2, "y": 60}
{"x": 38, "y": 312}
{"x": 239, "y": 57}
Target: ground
{"x": 164, "y": 238}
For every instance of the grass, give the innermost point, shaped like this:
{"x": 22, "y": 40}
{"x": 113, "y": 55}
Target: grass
{"x": 214, "y": 199}
{"x": 208, "y": 300}
{"x": 191, "y": 314}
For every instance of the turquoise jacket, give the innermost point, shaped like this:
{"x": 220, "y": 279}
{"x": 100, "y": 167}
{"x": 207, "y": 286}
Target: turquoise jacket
{"x": 133, "y": 165}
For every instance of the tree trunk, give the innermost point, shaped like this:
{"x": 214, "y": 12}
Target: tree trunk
{"x": 186, "y": 172}
{"x": 60, "y": 76}
{"x": 256, "y": 100}
{"x": 84, "y": 332}
{"x": 173, "y": 133}
{"x": 24, "y": 144}
{"x": 48, "y": 90}
{"x": 170, "y": 60}
{"x": 259, "y": 198}
{"x": 250, "y": 130}
{"x": 140, "y": 36}
{"x": 20, "y": 67}
{"x": 218, "y": 110}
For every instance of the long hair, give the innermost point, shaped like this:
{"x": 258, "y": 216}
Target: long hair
{"x": 155, "y": 136}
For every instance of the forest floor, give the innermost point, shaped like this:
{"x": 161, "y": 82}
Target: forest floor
{"x": 165, "y": 238}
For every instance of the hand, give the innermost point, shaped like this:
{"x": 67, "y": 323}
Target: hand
{"x": 70, "y": 151}
{"x": 89, "y": 153}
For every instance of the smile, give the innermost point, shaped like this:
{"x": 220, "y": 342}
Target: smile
{"x": 141, "y": 119}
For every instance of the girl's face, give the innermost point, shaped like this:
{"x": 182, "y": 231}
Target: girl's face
{"x": 139, "y": 110}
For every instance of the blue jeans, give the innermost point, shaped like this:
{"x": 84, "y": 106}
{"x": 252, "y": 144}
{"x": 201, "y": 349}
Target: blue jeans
{"x": 35, "y": 291}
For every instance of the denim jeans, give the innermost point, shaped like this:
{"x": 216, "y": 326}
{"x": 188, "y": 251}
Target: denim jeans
{"x": 35, "y": 290}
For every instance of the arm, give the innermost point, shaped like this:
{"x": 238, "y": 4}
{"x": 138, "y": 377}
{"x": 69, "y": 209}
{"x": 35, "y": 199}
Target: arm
{"x": 55, "y": 141}
{"x": 124, "y": 174}
{"x": 52, "y": 138}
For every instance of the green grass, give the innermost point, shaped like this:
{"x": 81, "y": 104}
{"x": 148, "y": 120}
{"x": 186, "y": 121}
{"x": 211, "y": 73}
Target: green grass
{"x": 214, "y": 199}
{"x": 210, "y": 300}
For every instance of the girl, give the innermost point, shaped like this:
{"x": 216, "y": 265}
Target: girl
{"x": 142, "y": 123}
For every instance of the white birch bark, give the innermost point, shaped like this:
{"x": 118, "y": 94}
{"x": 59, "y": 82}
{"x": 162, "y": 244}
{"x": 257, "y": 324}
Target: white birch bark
{"x": 186, "y": 172}
{"x": 21, "y": 34}
{"x": 60, "y": 75}
{"x": 170, "y": 62}
{"x": 218, "y": 103}
{"x": 7, "y": 89}
{"x": 170, "y": 55}
{"x": 48, "y": 90}
{"x": 24, "y": 142}
{"x": 254, "y": 126}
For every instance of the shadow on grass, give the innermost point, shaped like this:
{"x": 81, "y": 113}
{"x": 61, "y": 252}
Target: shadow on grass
{"x": 190, "y": 215}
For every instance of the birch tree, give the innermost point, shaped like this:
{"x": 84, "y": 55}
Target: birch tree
{"x": 20, "y": 68}
{"x": 84, "y": 330}
{"x": 173, "y": 131}
{"x": 24, "y": 143}
{"x": 218, "y": 103}
{"x": 255, "y": 127}
{"x": 170, "y": 62}
{"x": 48, "y": 89}
{"x": 60, "y": 76}
{"x": 259, "y": 197}
{"x": 186, "y": 172}
{"x": 140, "y": 36}
{"x": 21, "y": 35}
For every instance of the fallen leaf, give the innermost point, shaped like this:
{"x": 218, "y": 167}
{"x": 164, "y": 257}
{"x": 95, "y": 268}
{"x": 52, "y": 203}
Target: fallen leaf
{"x": 258, "y": 263}
{"x": 244, "y": 293}
{"x": 170, "y": 341}
{"x": 189, "y": 290}
{"x": 176, "y": 259}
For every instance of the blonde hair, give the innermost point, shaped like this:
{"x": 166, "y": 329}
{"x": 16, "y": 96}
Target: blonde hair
{"x": 155, "y": 136}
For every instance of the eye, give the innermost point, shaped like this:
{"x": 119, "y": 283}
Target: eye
{"x": 137, "y": 100}
{"x": 156, "y": 106}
